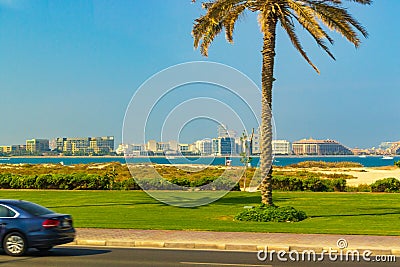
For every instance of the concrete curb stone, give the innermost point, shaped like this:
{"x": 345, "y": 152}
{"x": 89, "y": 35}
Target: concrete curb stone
{"x": 220, "y": 246}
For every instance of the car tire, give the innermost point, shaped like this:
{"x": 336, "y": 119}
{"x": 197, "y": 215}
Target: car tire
{"x": 14, "y": 244}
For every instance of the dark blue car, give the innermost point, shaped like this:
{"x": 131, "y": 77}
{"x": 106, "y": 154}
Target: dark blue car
{"x": 27, "y": 225}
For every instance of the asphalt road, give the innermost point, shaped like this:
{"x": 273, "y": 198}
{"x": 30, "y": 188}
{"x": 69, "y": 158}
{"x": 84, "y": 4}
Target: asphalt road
{"x": 110, "y": 257}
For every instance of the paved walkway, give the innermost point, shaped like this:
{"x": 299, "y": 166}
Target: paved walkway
{"x": 379, "y": 245}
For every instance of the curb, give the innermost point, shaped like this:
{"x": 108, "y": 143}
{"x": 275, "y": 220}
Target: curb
{"x": 224, "y": 247}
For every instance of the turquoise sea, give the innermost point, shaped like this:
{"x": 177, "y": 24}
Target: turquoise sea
{"x": 372, "y": 161}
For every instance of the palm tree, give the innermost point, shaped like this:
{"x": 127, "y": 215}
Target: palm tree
{"x": 312, "y": 15}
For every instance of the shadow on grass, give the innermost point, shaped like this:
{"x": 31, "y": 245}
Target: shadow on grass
{"x": 108, "y": 205}
{"x": 239, "y": 200}
{"x": 356, "y": 215}
{"x": 254, "y": 199}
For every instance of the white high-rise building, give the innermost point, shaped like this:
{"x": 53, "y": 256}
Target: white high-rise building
{"x": 281, "y": 147}
{"x": 204, "y": 146}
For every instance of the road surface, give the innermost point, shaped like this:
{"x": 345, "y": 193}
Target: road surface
{"x": 75, "y": 256}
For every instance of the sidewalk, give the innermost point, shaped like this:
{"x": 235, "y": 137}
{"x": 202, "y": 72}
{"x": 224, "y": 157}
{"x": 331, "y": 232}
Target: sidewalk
{"x": 379, "y": 245}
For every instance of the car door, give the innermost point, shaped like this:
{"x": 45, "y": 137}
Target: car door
{"x": 7, "y": 215}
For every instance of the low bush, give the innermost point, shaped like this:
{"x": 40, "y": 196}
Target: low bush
{"x": 314, "y": 184}
{"x": 339, "y": 185}
{"x": 397, "y": 163}
{"x": 285, "y": 183}
{"x": 359, "y": 188}
{"x": 324, "y": 164}
{"x": 389, "y": 185}
{"x": 205, "y": 183}
{"x": 271, "y": 214}
{"x": 78, "y": 181}
{"x": 84, "y": 181}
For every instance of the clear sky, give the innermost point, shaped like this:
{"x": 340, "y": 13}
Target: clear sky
{"x": 70, "y": 68}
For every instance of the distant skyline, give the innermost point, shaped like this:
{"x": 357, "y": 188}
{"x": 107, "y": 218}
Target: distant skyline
{"x": 193, "y": 140}
{"x": 70, "y": 68}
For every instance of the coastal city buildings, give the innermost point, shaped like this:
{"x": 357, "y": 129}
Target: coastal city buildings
{"x": 13, "y": 149}
{"x": 394, "y": 149}
{"x": 319, "y": 147}
{"x": 281, "y": 147}
{"x": 85, "y": 145}
{"x": 363, "y": 151}
{"x": 131, "y": 149}
{"x": 37, "y": 145}
{"x": 223, "y": 146}
{"x": 386, "y": 145}
{"x": 255, "y": 144}
{"x": 204, "y": 146}
{"x": 226, "y": 144}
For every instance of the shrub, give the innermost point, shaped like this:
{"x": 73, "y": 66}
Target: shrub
{"x": 339, "y": 185}
{"x": 359, "y": 188}
{"x": 56, "y": 181}
{"x": 323, "y": 164}
{"x": 316, "y": 185}
{"x": 222, "y": 183}
{"x": 397, "y": 163}
{"x": 271, "y": 214}
{"x": 287, "y": 183}
{"x": 390, "y": 185}
{"x": 128, "y": 184}
{"x": 308, "y": 183}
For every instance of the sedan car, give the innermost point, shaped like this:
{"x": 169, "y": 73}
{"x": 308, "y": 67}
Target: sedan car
{"x": 25, "y": 225}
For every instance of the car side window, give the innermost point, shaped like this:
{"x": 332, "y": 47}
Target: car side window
{"x": 6, "y": 212}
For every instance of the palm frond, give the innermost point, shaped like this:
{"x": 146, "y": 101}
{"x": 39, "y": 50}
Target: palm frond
{"x": 220, "y": 14}
{"x": 339, "y": 20}
{"x": 290, "y": 30}
{"x": 230, "y": 20}
{"x": 305, "y": 16}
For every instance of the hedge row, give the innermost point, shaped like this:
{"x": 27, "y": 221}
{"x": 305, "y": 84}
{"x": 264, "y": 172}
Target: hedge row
{"x": 388, "y": 185}
{"x": 83, "y": 181}
{"x": 314, "y": 184}
{"x": 78, "y": 181}
{"x": 205, "y": 183}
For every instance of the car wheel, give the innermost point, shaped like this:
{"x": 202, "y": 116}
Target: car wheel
{"x": 44, "y": 249}
{"x": 14, "y": 244}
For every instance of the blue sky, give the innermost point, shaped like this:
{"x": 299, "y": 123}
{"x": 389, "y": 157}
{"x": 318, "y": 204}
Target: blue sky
{"x": 70, "y": 68}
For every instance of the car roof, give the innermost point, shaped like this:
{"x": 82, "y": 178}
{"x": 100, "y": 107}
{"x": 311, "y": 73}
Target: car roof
{"x": 11, "y": 201}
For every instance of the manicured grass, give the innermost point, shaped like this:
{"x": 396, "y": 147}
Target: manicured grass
{"x": 333, "y": 213}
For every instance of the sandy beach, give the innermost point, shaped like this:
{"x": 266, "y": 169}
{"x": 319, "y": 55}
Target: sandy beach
{"x": 364, "y": 175}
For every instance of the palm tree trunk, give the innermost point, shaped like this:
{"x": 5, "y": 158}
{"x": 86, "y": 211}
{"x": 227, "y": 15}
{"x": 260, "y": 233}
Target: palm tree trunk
{"x": 268, "y": 54}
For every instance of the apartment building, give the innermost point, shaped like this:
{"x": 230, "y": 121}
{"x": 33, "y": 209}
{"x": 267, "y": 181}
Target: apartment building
{"x": 86, "y": 145}
{"x": 37, "y": 145}
{"x": 281, "y": 147}
{"x": 319, "y": 147}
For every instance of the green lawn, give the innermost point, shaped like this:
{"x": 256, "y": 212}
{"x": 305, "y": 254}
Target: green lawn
{"x": 334, "y": 213}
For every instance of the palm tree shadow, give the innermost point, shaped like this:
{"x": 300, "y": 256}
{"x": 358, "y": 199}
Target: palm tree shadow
{"x": 229, "y": 200}
{"x": 239, "y": 200}
{"x": 356, "y": 215}
{"x": 107, "y": 205}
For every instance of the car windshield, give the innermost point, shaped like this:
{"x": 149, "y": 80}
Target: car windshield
{"x": 33, "y": 208}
